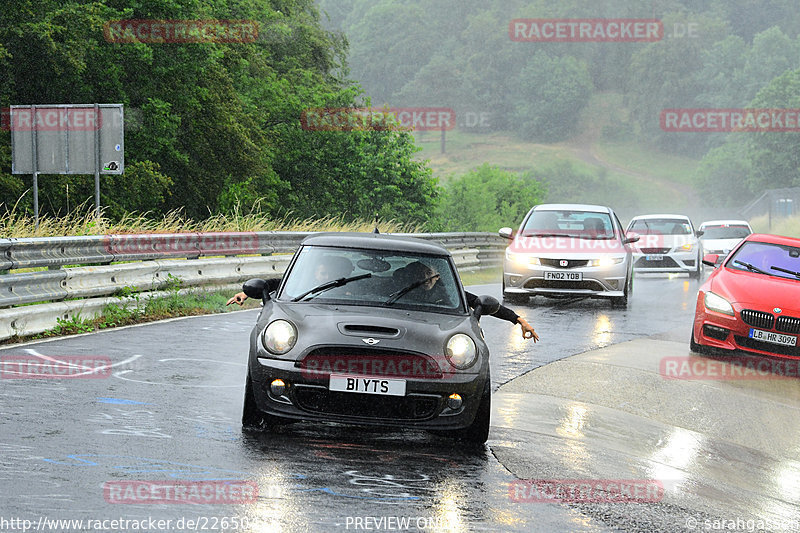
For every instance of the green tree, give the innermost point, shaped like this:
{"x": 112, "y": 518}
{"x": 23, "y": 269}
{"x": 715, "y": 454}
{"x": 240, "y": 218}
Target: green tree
{"x": 488, "y": 198}
{"x": 550, "y": 94}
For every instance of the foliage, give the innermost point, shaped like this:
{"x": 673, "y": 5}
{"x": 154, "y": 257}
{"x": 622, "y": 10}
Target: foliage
{"x": 487, "y": 199}
{"x": 210, "y": 126}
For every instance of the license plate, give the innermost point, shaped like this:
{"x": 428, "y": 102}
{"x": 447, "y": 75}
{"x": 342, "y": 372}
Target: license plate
{"x": 563, "y": 276}
{"x": 654, "y": 257}
{"x": 772, "y": 337}
{"x": 367, "y": 385}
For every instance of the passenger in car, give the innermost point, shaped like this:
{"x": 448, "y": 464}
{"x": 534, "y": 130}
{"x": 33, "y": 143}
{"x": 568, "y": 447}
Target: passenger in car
{"x": 421, "y": 272}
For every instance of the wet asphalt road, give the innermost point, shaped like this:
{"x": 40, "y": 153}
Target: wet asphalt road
{"x": 171, "y": 411}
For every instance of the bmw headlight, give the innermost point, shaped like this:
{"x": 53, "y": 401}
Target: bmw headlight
{"x": 461, "y": 351}
{"x": 606, "y": 261}
{"x": 279, "y": 337}
{"x": 717, "y": 303}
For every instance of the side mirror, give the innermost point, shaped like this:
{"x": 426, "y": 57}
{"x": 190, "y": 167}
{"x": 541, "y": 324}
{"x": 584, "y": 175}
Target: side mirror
{"x": 259, "y": 288}
{"x": 699, "y": 233}
{"x": 632, "y": 238}
{"x": 710, "y": 260}
{"x": 506, "y": 233}
{"x": 487, "y": 305}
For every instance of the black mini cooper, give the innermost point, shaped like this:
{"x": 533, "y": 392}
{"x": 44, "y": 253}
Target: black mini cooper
{"x": 369, "y": 329}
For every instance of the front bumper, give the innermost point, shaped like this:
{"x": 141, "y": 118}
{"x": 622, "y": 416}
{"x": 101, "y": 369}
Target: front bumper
{"x": 669, "y": 262}
{"x": 607, "y": 282}
{"x": 424, "y": 405}
{"x": 731, "y": 333}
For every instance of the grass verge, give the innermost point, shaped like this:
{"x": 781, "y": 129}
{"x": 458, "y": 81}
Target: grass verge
{"x": 195, "y": 303}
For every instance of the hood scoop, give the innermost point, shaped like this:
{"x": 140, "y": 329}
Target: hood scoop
{"x": 359, "y": 330}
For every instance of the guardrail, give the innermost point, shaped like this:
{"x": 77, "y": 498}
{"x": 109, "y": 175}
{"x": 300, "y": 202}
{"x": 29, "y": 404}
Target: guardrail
{"x": 93, "y": 267}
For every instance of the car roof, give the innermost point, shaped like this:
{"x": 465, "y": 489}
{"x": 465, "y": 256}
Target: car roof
{"x": 375, "y": 241}
{"x": 641, "y": 217}
{"x": 573, "y": 207}
{"x": 725, "y": 222}
{"x": 773, "y": 239}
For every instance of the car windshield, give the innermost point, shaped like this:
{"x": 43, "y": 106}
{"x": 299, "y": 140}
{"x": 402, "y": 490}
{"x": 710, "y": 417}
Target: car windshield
{"x": 350, "y": 276}
{"x": 725, "y": 232}
{"x": 660, "y": 226}
{"x": 569, "y": 223}
{"x": 765, "y": 258}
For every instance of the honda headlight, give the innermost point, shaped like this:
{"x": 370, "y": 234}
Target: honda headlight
{"x": 279, "y": 337}
{"x": 461, "y": 351}
{"x": 717, "y": 303}
{"x": 522, "y": 259}
{"x": 606, "y": 261}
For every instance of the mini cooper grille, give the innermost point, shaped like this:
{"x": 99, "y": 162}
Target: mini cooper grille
{"x": 788, "y": 324}
{"x": 757, "y": 319}
{"x": 371, "y": 362}
{"x": 571, "y": 263}
{"x": 369, "y": 406}
{"x": 658, "y": 251}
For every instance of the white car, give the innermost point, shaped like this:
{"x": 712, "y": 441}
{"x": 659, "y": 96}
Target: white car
{"x": 668, "y": 243}
{"x": 721, "y": 236}
{"x": 568, "y": 250}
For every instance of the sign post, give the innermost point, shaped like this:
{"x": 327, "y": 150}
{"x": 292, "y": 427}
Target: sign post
{"x": 67, "y": 139}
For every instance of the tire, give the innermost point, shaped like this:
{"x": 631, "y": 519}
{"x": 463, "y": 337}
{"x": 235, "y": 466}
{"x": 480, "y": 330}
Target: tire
{"x": 627, "y": 292}
{"x": 516, "y": 299}
{"x": 253, "y": 419}
{"x": 477, "y": 433}
{"x": 695, "y": 274}
{"x": 695, "y": 347}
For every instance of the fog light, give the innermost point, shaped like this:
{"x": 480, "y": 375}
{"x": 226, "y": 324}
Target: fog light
{"x": 277, "y": 387}
{"x": 454, "y": 401}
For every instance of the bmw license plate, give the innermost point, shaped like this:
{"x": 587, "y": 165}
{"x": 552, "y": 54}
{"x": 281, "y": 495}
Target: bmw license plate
{"x": 367, "y": 385}
{"x": 563, "y": 276}
{"x": 654, "y": 257}
{"x": 772, "y": 337}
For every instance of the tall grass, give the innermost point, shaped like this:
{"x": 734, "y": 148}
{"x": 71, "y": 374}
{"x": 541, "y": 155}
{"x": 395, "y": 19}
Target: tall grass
{"x": 790, "y": 226}
{"x": 82, "y": 221}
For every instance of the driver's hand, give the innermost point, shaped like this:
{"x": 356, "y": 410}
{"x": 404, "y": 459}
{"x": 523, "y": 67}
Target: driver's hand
{"x": 527, "y": 330}
{"x": 238, "y": 298}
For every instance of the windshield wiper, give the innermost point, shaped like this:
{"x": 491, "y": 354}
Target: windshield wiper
{"x": 549, "y": 235}
{"x": 405, "y": 290}
{"x": 792, "y": 272}
{"x": 330, "y": 285}
{"x": 751, "y": 268}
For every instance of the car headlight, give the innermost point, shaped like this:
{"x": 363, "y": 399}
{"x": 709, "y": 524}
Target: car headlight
{"x": 717, "y": 303}
{"x": 279, "y": 337}
{"x": 461, "y": 351}
{"x": 606, "y": 261}
{"x": 688, "y": 247}
{"x": 522, "y": 259}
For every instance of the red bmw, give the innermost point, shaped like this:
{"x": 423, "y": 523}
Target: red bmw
{"x": 752, "y": 301}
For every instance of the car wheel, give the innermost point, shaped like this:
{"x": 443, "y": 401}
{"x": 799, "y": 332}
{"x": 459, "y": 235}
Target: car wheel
{"x": 695, "y": 274}
{"x": 695, "y": 347}
{"x": 253, "y": 419}
{"x": 518, "y": 299}
{"x": 627, "y": 292}
{"x": 478, "y": 431}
